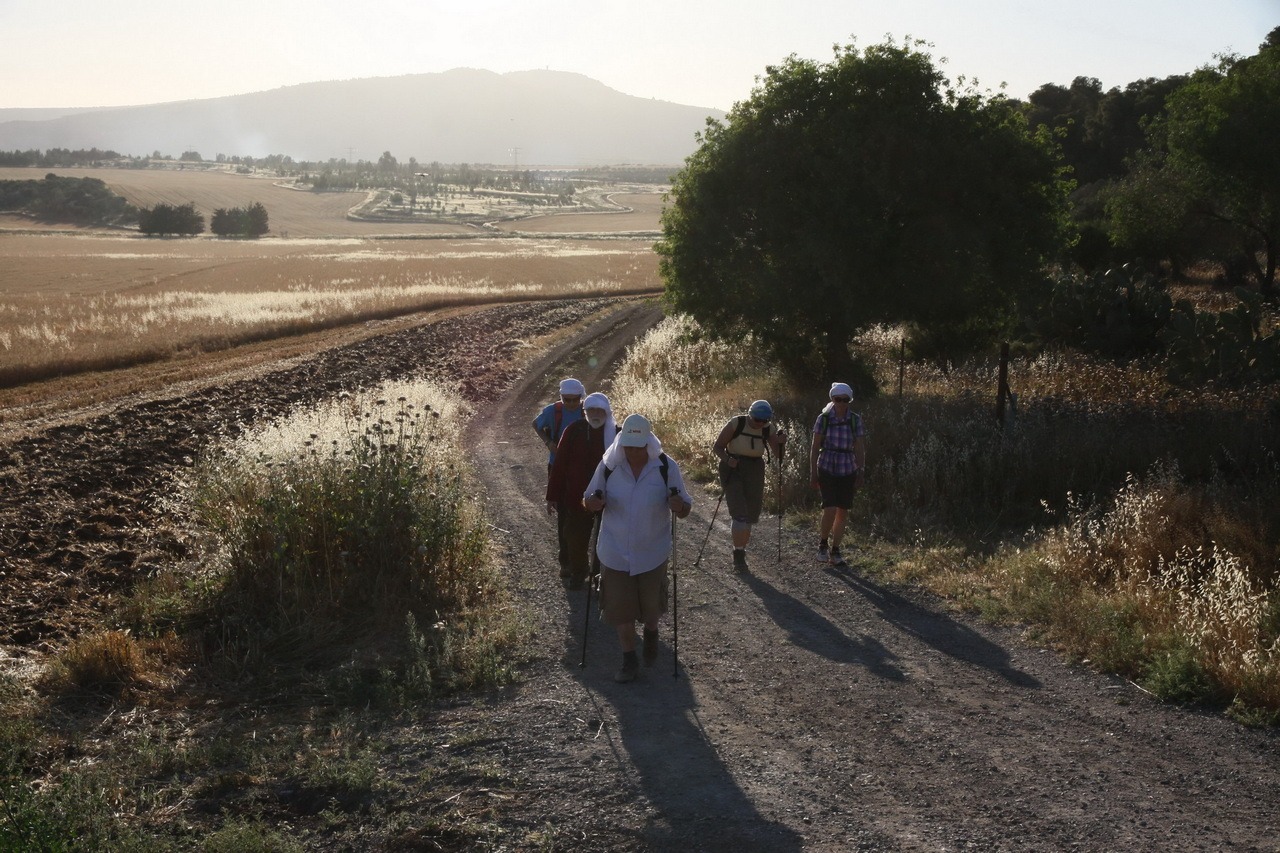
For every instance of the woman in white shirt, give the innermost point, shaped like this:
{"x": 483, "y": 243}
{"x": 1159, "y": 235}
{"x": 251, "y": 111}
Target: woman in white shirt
{"x": 638, "y": 488}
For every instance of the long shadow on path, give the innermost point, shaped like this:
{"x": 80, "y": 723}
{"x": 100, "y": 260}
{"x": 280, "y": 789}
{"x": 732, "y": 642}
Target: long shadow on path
{"x": 813, "y": 632}
{"x": 937, "y": 630}
{"x": 698, "y": 803}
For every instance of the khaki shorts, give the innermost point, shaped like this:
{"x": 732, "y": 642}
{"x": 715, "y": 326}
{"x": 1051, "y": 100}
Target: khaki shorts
{"x": 627, "y": 598}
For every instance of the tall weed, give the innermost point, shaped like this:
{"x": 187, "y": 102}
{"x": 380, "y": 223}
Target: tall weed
{"x": 330, "y": 529}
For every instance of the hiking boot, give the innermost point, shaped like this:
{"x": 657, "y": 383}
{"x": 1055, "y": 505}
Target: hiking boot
{"x": 630, "y": 668}
{"x": 740, "y": 559}
{"x": 837, "y": 559}
{"x": 650, "y": 646}
{"x": 823, "y": 555}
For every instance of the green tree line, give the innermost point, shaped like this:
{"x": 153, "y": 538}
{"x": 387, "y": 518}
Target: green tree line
{"x": 240, "y": 222}
{"x": 82, "y": 201}
{"x": 166, "y": 219}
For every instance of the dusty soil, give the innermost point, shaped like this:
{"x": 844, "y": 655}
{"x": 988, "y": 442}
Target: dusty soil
{"x": 814, "y": 709}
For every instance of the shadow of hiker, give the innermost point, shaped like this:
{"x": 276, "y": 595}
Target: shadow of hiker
{"x": 936, "y": 629}
{"x": 811, "y": 631}
{"x": 697, "y": 803}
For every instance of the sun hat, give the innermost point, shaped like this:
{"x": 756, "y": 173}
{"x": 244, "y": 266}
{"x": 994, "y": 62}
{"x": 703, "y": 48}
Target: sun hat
{"x": 840, "y": 389}
{"x": 571, "y": 387}
{"x": 636, "y": 430}
{"x": 761, "y": 410}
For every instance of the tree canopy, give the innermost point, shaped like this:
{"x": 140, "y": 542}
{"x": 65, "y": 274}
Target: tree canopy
{"x": 84, "y": 201}
{"x": 240, "y": 222}
{"x": 1208, "y": 184}
{"x": 860, "y": 191}
{"x": 165, "y": 219}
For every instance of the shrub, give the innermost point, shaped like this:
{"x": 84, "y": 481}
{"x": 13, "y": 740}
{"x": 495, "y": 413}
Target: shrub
{"x": 1229, "y": 346}
{"x": 330, "y": 545}
{"x": 1118, "y": 313}
{"x": 106, "y": 662}
{"x": 165, "y": 219}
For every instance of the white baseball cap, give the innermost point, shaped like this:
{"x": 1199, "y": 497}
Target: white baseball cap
{"x": 636, "y": 430}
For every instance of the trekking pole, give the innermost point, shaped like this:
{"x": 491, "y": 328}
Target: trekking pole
{"x": 591, "y": 578}
{"x": 675, "y": 599}
{"x": 779, "y": 507}
{"x": 699, "y": 560}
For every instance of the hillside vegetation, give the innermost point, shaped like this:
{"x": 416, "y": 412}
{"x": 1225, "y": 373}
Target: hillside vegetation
{"x": 1126, "y": 520}
{"x": 78, "y": 201}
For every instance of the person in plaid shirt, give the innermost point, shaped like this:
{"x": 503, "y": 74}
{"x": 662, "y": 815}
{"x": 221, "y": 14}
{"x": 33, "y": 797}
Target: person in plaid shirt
{"x": 837, "y": 461}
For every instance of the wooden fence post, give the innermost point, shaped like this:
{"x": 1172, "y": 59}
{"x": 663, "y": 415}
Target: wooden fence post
{"x": 1002, "y": 391}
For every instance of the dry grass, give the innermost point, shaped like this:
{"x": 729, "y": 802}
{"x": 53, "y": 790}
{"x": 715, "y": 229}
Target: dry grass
{"x": 1155, "y": 558}
{"x": 70, "y": 303}
{"x": 75, "y": 300}
{"x": 106, "y": 662}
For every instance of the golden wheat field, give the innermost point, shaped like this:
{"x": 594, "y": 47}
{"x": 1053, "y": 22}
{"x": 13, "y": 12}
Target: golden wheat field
{"x": 75, "y": 299}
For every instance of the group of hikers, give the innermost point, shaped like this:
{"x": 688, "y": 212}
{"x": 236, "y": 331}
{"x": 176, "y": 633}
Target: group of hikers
{"x": 615, "y": 481}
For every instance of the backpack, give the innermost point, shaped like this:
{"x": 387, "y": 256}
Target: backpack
{"x": 825, "y": 420}
{"x": 741, "y": 427}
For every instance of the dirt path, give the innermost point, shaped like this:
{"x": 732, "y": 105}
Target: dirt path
{"x": 814, "y": 710}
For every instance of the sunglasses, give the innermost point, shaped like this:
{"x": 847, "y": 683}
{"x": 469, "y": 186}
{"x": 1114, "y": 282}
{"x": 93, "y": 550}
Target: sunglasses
{"x": 840, "y": 399}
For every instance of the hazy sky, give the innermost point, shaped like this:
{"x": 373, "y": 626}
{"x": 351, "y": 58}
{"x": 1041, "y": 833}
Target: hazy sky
{"x": 706, "y": 53}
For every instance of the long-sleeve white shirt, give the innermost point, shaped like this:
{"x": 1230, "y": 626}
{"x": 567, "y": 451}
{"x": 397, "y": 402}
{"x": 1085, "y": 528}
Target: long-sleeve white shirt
{"x": 635, "y": 528}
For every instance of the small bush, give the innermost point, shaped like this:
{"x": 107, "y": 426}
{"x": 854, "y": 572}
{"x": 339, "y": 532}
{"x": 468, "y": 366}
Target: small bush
{"x": 106, "y": 662}
{"x": 1176, "y": 675}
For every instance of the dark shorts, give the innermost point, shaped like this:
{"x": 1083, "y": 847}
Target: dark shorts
{"x": 836, "y": 491}
{"x": 743, "y": 488}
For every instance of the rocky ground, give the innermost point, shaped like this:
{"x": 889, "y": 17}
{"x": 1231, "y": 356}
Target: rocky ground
{"x": 810, "y": 708}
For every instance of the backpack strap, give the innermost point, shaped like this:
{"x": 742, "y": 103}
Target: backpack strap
{"x": 740, "y": 427}
{"x": 664, "y": 464}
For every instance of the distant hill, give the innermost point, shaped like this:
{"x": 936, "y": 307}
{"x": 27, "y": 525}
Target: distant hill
{"x": 529, "y": 118}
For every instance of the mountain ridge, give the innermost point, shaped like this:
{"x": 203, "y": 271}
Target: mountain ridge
{"x": 465, "y": 115}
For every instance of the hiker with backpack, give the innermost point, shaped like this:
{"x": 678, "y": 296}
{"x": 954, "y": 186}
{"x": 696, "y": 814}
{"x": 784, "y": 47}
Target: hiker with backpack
{"x": 638, "y": 489}
{"x": 837, "y": 463}
{"x": 742, "y": 447}
{"x": 550, "y": 424}
{"x": 581, "y": 446}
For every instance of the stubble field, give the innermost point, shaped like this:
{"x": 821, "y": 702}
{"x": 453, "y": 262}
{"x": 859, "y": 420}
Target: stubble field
{"x": 77, "y": 299}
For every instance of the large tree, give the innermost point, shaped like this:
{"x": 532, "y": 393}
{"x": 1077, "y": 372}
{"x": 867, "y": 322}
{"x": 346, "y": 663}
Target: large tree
{"x": 1223, "y": 132}
{"x": 1208, "y": 183}
{"x": 856, "y": 192}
